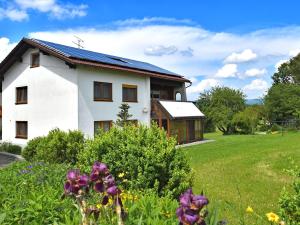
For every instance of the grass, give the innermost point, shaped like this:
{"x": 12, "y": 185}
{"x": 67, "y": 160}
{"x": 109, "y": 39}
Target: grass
{"x": 244, "y": 170}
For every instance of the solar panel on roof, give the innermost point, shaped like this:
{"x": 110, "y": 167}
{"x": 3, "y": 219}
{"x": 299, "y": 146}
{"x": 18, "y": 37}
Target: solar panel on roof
{"x": 78, "y": 53}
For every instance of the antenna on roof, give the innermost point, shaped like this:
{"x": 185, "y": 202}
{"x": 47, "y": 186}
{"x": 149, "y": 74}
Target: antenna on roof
{"x": 78, "y": 42}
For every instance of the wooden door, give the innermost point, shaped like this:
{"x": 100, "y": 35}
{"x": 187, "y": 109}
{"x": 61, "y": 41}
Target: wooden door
{"x": 191, "y": 129}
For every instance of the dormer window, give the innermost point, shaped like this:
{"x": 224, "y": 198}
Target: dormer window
{"x": 35, "y": 60}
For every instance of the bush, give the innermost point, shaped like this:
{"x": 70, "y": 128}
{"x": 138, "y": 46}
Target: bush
{"x": 10, "y": 148}
{"x": 57, "y": 147}
{"x": 290, "y": 201}
{"x": 146, "y": 156}
{"x": 247, "y": 121}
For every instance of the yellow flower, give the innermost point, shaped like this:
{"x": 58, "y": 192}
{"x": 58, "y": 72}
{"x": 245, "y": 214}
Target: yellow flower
{"x": 249, "y": 210}
{"x": 272, "y": 217}
{"x": 99, "y": 206}
{"x": 121, "y": 175}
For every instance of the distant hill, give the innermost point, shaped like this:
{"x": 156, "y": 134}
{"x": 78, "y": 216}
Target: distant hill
{"x": 255, "y": 101}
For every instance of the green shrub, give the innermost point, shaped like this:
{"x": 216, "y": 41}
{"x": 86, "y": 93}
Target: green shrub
{"x": 57, "y": 147}
{"x": 10, "y": 148}
{"x": 290, "y": 201}
{"x": 29, "y": 151}
{"x": 146, "y": 156}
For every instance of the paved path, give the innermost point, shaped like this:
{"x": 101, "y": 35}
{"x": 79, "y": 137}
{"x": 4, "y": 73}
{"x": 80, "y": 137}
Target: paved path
{"x": 195, "y": 143}
{"x": 6, "y": 159}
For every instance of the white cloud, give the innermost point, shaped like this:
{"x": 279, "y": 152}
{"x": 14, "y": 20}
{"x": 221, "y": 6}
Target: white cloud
{"x": 294, "y": 52}
{"x": 13, "y": 14}
{"x": 255, "y": 72}
{"x": 280, "y": 62}
{"x": 17, "y": 10}
{"x": 257, "y": 85}
{"x": 151, "y": 20}
{"x": 228, "y": 70}
{"x": 5, "y": 47}
{"x": 209, "y": 49}
{"x": 203, "y": 85}
{"x": 160, "y": 50}
{"x": 244, "y": 56}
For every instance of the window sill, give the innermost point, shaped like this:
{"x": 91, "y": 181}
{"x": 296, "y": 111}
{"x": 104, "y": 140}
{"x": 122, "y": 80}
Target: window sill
{"x": 130, "y": 101}
{"x": 21, "y": 137}
{"x": 21, "y": 103}
{"x": 103, "y": 100}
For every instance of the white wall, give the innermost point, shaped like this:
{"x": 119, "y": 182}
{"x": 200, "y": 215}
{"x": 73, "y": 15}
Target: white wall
{"x": 52, "y": 97}
{"x": 60, "y": 97}
{"x": 90, "y": 111}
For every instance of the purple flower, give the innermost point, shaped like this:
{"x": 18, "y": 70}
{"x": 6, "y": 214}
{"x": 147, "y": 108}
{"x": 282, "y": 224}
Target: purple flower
{"x": 75, "y": 182}
{"x": 109, "y": 180}
{"x": 190, "y": 207}
{"x": 73, "y": 175}
{"x": 199, "y": 201}
{"x": 105, "y": 200}
{"x": 83, "y": 181}
{"x": 113, "y": 190}
{"x": 191, "y": 219}
{"x": 99, "y": 187}
{"x": 186, "y": 198}
{"x": 100, "y": 167}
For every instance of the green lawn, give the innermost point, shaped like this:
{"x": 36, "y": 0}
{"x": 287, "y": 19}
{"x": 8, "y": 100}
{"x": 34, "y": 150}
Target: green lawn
{"x": 241, "y": 170}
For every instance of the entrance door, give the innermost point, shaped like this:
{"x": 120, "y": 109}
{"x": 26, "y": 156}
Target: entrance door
{"x": 191, "y": 129}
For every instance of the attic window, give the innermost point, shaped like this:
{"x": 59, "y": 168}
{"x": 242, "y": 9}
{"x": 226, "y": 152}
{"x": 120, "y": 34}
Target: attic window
{"x": 35, "y": 60}
{"x": 118, "y": 59}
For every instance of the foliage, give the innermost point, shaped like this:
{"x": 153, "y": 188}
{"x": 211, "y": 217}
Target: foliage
{"x": 146, "y": 156}
{"x": 57, "y": 147}
{"x": 283, "y": 102}
{"x": 10, "y": 148}
{"x": 203, "y": 104}
{"x": 290, "y": 200}
{"x": 31, "y": 194}
{"x": 248, "y": 120}
{"x": 221, "y": 104}
{"x": 123, "y": 115}
{"x": 288, "y": 72}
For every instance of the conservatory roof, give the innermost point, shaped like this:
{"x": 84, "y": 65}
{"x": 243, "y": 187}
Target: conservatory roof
{"x": 177, "y": 110}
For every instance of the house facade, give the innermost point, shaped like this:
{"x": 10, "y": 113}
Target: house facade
{"x": 46, "y": 85}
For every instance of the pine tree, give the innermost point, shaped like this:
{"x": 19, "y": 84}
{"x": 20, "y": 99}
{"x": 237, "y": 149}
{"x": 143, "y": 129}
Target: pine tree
{"x": 123, "y": 115}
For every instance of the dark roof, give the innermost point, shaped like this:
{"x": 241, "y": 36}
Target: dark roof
{"x": 77, "y": 56}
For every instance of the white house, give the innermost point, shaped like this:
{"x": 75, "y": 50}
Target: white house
{"x": 47, "y": 85}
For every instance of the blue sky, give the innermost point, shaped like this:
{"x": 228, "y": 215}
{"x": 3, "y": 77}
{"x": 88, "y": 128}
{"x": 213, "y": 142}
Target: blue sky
{"x": 232, "y": 43}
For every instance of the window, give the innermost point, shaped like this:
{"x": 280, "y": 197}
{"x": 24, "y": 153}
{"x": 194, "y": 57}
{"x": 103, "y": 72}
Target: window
{"x": 104, "y": 125}
{"x": 35, "y": 60}
{"x": 129, "y": 93}
{"x": 178, "y": 97}
{"x": 102, "y": 91}
{"x": 21, "y": 95}
{"x": 22, "y": 129}
{"x": 133, "y": 122}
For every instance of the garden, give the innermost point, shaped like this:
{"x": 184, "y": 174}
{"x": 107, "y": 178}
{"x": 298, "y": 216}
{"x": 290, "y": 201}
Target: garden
{"x": 136, "y": 175}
